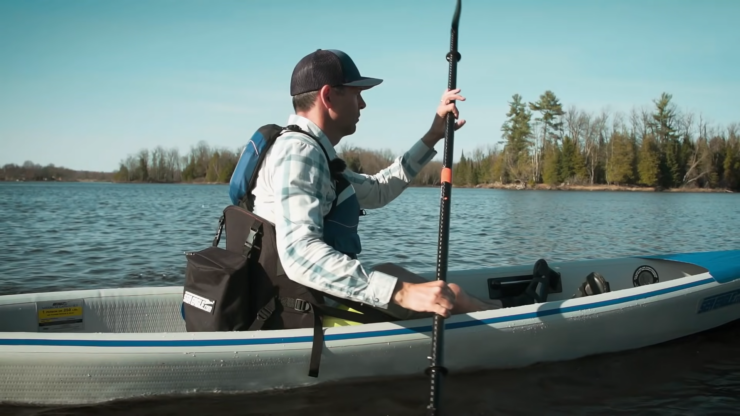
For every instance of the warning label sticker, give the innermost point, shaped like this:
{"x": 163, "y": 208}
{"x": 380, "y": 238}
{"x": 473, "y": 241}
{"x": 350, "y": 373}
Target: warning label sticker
{"x": 60, "y": 315}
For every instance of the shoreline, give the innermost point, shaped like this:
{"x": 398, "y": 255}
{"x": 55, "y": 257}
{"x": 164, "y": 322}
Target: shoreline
{"x": 594, "y": 188}
{"x": 498, "y": 186}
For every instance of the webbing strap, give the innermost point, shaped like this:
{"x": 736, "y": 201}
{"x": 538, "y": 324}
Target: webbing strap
{"x": 319, "y": 311}
{"x": 318, "y": 345}
{"x": 263, "y": 315}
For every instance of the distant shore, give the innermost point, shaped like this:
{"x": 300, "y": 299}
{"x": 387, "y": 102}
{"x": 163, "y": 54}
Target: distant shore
{"x": 512, "y": 187}
{"x": 594, "y": 188}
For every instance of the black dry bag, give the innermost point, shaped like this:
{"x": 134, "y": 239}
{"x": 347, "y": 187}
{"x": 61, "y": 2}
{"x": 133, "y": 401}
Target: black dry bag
{"x": 218, "y": 281}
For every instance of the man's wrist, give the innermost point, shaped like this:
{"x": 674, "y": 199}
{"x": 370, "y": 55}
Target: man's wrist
{"x": 398, "y": 292}
{"x": 430, "y": 140}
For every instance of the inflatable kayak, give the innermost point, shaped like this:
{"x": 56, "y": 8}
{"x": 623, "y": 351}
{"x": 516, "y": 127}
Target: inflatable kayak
{"x": 90, "y": 346}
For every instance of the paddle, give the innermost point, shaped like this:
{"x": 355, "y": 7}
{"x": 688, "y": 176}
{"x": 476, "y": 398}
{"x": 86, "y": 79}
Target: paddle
{"x": 436, "y": 368}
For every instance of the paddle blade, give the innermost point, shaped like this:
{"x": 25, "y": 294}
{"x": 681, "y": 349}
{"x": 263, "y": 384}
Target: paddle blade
{"x": 456, "y": 16}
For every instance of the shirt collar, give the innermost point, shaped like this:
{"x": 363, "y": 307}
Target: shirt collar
{"x": 312, "y": 128}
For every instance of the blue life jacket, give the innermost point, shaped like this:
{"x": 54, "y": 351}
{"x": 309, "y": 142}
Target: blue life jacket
{"x": 243, "y": 179}
{"x": 342, "y": 221}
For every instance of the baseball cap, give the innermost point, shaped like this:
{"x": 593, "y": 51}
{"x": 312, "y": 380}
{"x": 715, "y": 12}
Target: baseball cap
{"x": 327, "y": 67}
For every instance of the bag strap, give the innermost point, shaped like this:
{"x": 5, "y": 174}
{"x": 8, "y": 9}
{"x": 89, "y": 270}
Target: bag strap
{"x": 221, "y": 223}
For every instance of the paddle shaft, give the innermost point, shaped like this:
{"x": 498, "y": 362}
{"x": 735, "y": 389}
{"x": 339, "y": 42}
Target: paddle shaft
{"x": 436, "y": 369}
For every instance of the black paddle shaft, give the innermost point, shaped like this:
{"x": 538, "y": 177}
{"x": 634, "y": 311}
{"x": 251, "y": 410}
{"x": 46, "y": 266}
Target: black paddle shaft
{"x": 436, "y": 369}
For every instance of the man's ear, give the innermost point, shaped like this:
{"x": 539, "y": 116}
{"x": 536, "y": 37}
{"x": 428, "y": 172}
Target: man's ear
{"x": 324, "y": 96}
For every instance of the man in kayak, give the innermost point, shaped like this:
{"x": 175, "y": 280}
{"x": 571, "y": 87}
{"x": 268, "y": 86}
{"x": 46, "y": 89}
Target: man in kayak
{"x": 315, "y": 205}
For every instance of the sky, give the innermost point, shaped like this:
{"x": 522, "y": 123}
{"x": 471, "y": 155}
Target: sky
{"x": 84, "y": 84}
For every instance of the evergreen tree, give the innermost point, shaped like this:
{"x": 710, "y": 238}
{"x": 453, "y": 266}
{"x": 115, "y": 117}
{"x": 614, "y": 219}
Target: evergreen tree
{"x": 580, "y": 172}
{"x": 485, "y": 168}
{"x": 122, "y": 174}
{"x": 551, "y": 165}
{"x": 224, "y": 174}
{"x": 731, "y": 164}
{"x": 551, "y": 111}
{"x": 664, "y": 129}
{"x": 461, "y": 172}
{"x": 517, "y": 129}
{"x": 648, "y": 165}
{"x": 621, "y": 165}
{"x": 143, "y": 173}
{"x": 479, "y": 163}
{"x": 498, "y": 170}
{"x": 212, "y": 170}
{"x": 517, "y": 133}
{"x": 572, "y": 164}
{"x": 713, "y": 165}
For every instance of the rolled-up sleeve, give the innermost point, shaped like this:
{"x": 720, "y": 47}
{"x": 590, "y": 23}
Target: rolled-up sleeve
{"x": 302, "y": 191}
{"x": 376, "y": 191}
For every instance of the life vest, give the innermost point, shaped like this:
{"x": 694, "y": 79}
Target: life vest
{"x": 342, "y": 221}
{"x": 288, "y": 304}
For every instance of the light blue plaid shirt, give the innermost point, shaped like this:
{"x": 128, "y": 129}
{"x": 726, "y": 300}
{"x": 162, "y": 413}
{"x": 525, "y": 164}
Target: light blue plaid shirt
{"x": 294, "y": 191}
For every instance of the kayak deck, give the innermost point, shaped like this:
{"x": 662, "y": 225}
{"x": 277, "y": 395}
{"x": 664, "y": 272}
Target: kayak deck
{"x": 158, "y": 309}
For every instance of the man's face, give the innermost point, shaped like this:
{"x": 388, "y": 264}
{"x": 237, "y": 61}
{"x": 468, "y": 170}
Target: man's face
{"x": 345, "y": 112}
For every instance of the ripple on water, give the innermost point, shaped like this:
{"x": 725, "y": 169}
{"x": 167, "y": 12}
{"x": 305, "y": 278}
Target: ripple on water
{"x": 693, "y": 376}
{"x": 135, "y": 235}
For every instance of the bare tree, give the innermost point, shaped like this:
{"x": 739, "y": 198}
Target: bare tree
{"x": 537, "y": 144}
{"x": 174, "y": 167}
{"x": 131, "y": 167}
{"x": 596, "y": 133}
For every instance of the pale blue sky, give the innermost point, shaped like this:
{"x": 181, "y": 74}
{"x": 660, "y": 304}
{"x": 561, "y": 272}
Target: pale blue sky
{"x": 85, "y": 83}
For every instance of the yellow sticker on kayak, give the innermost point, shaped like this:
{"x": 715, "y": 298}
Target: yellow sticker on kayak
{"x": 46, "y": 314}
{"x": 60, "y": 315}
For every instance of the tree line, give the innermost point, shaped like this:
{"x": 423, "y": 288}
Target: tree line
{"x": 204, "y": 164}
{"x": 30, "y": 171}
{"x": 541, "y": 142}
{"x": 658, "y": 147}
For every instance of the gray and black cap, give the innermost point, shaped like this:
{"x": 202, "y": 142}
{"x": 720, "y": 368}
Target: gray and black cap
{"x": 327, "y": 67}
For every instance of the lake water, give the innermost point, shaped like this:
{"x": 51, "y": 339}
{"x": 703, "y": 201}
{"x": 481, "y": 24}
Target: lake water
{"x": 62, "y": 236}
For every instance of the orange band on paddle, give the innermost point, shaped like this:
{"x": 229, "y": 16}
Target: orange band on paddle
{"x": 446, "y": 175}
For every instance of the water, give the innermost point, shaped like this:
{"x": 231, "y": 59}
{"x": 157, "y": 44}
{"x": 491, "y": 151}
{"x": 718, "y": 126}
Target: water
{"x": 62, "y": 236}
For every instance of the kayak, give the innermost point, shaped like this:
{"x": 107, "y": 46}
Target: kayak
{"x": 91, "y": 346}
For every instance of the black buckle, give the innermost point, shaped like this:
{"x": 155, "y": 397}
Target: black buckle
{"x": 264, "y": 313}
{"x": 249, "y": 242}
{"x": 301, "y": 305}
{"x": 363, "y": 212}
{"x": 250, "y": 237}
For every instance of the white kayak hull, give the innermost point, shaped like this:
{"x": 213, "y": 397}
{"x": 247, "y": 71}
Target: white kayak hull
{"x": 124, "y": 343}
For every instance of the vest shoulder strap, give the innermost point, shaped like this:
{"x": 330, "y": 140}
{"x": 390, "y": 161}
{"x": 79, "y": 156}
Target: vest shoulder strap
{"x": 261, "y": 142}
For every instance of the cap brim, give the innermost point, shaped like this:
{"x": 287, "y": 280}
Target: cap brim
{"x": 364, "y": 82}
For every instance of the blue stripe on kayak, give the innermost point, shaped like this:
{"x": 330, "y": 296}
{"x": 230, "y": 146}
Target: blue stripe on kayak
{"x": 724, "y": 266}
{"x": 336, "y": 337}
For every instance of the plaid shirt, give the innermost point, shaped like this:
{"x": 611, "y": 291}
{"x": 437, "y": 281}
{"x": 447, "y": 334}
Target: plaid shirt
{"x": 294, "y": 191}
